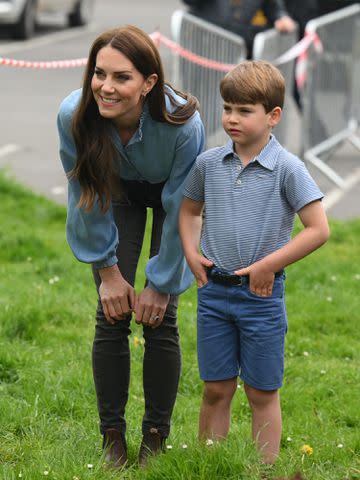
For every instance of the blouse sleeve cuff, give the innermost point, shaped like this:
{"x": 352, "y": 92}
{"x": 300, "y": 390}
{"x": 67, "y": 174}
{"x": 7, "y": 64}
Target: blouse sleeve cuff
{"x": 109, "y": 262}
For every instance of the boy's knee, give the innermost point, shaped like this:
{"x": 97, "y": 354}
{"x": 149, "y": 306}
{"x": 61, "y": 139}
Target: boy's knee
{"x": 215, "y": 392}
{"x": 260, "y": 398}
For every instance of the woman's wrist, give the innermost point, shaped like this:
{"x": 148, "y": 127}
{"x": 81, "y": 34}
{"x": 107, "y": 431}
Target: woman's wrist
{"x": 108, "y": 273}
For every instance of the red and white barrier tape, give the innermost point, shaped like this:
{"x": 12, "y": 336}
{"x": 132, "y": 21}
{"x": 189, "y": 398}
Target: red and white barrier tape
{"x": 302, "y": 58}
{"x": 299, "y": 50}
{"x": 188, "y": 55}
{"x": 10, "y": 62}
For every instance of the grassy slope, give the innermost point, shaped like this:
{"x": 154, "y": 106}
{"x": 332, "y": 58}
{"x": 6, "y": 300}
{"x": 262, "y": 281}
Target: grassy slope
{"x": 48, "y": 417}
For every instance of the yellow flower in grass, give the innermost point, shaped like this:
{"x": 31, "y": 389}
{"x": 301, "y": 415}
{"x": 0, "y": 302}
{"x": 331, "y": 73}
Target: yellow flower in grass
{"x": 306, "y": 450}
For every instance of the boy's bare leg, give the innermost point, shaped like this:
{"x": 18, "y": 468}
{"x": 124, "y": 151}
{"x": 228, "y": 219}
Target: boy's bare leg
{"x": 214, "y": 422}
{"x": 266, "y": 421}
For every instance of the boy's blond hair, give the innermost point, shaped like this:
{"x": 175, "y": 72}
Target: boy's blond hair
{"x": 254, "y": 81}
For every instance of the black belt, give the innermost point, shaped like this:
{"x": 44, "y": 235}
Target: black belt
{"x": 225, "y": 278}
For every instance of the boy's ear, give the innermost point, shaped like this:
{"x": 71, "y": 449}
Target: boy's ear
{"x": 275, "y": 116}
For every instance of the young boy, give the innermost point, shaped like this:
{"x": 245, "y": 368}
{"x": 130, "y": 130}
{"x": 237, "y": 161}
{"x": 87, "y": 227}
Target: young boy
{"x": 251, "y": 189}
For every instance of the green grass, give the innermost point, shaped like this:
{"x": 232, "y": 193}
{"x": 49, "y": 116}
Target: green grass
{"x": 48, "y": 416}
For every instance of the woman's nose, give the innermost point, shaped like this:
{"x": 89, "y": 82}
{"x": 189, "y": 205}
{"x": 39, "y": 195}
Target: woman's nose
{"x": 107, "y": 85}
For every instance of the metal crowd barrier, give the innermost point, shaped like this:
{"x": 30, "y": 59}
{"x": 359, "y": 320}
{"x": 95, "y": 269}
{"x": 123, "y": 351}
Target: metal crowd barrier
{"x": 331, "y": 97}
{"x": 214, "y": 43}
{"x": 269, "y": 45}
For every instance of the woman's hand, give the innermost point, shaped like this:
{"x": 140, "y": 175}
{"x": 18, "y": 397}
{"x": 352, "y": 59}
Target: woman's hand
{"x": 150, "y": 307}
{"x": 116, "y": 294}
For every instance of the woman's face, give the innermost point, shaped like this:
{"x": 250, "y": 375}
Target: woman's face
{"x": 118, "y": 87}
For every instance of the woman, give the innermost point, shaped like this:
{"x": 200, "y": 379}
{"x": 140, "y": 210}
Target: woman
{"x": 127, "y": 142}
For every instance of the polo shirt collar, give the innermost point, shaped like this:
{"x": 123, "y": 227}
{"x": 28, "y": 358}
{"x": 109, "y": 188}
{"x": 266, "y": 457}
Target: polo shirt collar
{"x": 228, "y": 150}
{"x": 267, "y": 157}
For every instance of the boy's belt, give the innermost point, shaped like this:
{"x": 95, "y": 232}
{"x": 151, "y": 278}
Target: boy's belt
{"x": 228, "y": 279}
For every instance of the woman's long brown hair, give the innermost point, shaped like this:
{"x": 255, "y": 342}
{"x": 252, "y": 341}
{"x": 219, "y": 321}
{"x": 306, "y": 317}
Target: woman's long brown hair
{"x": 95, "y": 167}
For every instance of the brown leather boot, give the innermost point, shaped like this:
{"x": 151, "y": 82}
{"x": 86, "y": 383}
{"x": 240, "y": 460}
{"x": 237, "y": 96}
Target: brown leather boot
{"x": 152, "y": 444}
{"x": 114, "y": 444}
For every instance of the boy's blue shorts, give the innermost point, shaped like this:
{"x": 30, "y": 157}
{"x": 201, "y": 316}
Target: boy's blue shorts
{"x": 240, "y": 333}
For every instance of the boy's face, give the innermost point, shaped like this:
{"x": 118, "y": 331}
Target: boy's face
{"x": 249, "y": 125}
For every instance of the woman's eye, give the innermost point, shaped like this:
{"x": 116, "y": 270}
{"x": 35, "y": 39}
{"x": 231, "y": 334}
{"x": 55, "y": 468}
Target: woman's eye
{"x": 123, "y": 77}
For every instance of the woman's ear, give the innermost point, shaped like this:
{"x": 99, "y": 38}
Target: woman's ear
{"x": 149, "y": 83}
{"x": 275, "y": 116}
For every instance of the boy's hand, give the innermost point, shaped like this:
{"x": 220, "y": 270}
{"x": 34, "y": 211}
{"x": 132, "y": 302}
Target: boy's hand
{"x": 261, "y": 279}
{"x": 198, "y": 264}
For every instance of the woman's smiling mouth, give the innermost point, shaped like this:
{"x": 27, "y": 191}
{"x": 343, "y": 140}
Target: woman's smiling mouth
{"x": 109, "y": 101}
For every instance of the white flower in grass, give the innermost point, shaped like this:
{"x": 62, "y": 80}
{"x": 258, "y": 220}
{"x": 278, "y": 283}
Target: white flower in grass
{"x": 90, "y": 466}
{"x": 289, "y": 439}
{"x": 329, "y": 299}
{"x": 306, "y": 354}
{"x": 54, "y": 280}
{"x": 46, "y": 473}
{"x": 340, "y": 445}
{"x": 209, "y": 442}
{"x": 169, "y": 447}
{"x": 184, "y": 446}
{"x": 322, "y": 372}
{"x": 20, "y": 475}
{"x": 76, "y": 478}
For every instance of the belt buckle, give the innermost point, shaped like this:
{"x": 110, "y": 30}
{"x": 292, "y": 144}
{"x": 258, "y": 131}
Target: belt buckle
{"x": 236, "y": 280}
{"x": 226, "y": 279}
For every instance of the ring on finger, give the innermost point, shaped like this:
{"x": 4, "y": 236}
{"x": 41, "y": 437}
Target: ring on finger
{"x": 156, "y": 318}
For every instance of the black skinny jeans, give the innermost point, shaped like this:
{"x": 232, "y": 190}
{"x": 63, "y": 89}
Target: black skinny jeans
{"x": 111, "y": 353}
